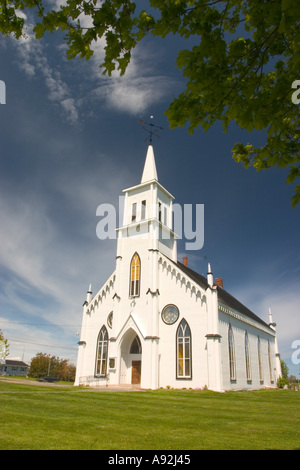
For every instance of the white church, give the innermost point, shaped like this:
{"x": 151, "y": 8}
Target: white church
{"x": 157, "y": 323}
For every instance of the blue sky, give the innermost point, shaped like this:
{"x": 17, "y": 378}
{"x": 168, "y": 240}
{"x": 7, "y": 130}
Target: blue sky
{"x": 71, "y": 140}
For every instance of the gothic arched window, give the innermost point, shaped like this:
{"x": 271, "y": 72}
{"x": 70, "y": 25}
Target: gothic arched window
{"x": 136, "y": 347}
{"x": 260, "y": 366}
{"x": 231, "y": 354}
{"x": 270, "y": 362}
{"x": 101, "y": 353}
{"x": 135, "y": 276}
{"x": 247, "y": 357}
{"x": 184, "y": 351}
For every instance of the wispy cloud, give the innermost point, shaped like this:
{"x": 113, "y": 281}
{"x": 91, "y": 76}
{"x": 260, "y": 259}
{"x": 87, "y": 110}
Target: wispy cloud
{"x": 141, "y": 87}
{"x": 39, "y": 235}
{"x": 49, "y": 250}
{"x": 32, "y": 55}
{"x": 133, "y": 95}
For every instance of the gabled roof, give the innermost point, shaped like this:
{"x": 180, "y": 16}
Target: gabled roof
{"x": 15, "y": 362}
{"x": 198, "y": 278}
{"x": 232, "y": 302}
{"x": 223, "y": 295}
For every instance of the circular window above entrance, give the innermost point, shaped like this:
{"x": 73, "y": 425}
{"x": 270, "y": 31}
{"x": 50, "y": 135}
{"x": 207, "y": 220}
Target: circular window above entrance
{"x": 170, "y": 314}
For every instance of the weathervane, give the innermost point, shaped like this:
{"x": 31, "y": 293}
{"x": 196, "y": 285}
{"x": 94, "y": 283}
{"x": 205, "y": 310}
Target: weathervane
{"x": 152, "y": 129}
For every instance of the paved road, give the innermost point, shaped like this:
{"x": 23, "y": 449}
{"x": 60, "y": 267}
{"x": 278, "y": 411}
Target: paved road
{"x": 111, "y": 388}
{"x": 31, "y": 382}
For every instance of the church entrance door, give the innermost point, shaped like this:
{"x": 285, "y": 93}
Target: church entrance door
{"x": 131, "y": 358}
{"x": 136, "y": 370}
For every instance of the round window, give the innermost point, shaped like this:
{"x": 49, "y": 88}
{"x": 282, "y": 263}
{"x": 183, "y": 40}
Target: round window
{"x": 110, "y": 319}
{"x": 170, "y": 314}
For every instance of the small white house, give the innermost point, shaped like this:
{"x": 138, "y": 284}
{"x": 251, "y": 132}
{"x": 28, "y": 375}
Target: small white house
{"x": 13, "y": 367}
{"x": 157, "y": 323}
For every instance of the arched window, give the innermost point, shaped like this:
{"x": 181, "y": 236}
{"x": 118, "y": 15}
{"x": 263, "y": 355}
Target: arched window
{"x": 247, "y": 357}
{"x": 270, "y": 362}
{"x": 231, "y": 354}
{"x": 135, "y": 274}
{"x": 184, "y": 351}
{"x": 101, "y": 353}
{"x": 136, "y": 347}
{"x": 260, "y": 367}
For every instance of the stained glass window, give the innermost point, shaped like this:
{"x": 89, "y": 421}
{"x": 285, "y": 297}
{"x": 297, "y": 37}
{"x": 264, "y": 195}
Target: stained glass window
{"x": 270, "y": 362}
{"x": 101, "y": 356}
{"x": 134, "y": 287}
{"x": 260, "y": 367}
{"x": 247, "y": 357}
{"x": 184, "y": 359}
{"x": 231, "y": 354}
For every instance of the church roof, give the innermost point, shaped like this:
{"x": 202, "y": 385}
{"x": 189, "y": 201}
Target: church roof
{"x": 223, "y": 295}
{"x": 198, "y": 278}
{"x": 15, "y": 362}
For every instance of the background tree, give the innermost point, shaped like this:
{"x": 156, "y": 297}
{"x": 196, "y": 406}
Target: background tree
{"x": 244, "y": 59}
{"x": 39, "y": 366}
{"x": 283, "y": 380}
{"x": 284, "y": 369}
{"x": 43, "y": 365}
{"x": 4, "y": 350}
{"x": 294, "y": 383}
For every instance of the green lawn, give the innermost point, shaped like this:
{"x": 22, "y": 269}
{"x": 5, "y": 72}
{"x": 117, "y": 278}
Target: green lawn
{"x": 44, "y": 417}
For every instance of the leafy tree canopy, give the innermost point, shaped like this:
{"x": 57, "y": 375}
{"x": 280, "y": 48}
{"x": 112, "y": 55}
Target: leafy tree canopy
{"x": 284, "y": 369}
{"x": 43, "y": 365}
{"x": 243, "y": 66}
{"x": 4, "y": 350}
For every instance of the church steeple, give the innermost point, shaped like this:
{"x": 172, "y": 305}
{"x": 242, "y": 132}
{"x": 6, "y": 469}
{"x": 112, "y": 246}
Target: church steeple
{"x": 149, "y": 173}
{"x": 147, "y": 218}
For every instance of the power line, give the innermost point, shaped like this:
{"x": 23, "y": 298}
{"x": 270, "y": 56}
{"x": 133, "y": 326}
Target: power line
{"x": 40, "y": 344}
{"x": 36, "y": 324}
{"x": 43, "y": 324}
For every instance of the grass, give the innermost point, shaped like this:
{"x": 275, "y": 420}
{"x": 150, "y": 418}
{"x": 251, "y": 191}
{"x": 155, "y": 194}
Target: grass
{"x": 42, "y": 417}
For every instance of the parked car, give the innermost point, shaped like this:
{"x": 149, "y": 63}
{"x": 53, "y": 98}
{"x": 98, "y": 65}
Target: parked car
{"x": 48, "y": 378}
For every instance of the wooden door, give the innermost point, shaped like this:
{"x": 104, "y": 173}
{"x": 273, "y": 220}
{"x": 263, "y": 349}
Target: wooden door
{"x": 136, "y": 372}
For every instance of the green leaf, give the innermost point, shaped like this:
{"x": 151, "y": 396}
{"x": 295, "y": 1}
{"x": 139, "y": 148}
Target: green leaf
{"x": 39, "y": 30}
{"x": 239, "y": 66}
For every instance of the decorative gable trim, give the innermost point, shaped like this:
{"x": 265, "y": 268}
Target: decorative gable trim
{"x": 102, "y": 293}
{"x": 131, "y": 322}
{"x": 174, "y": 271}
{"x": 153, "y": 293}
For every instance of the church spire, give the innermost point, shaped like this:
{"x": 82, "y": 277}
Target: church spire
{"x": 89, "y": 294}
{"x": 149, "y": 172}
{"x": 210, "y": 278}
{"x": 271, "y": 323}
